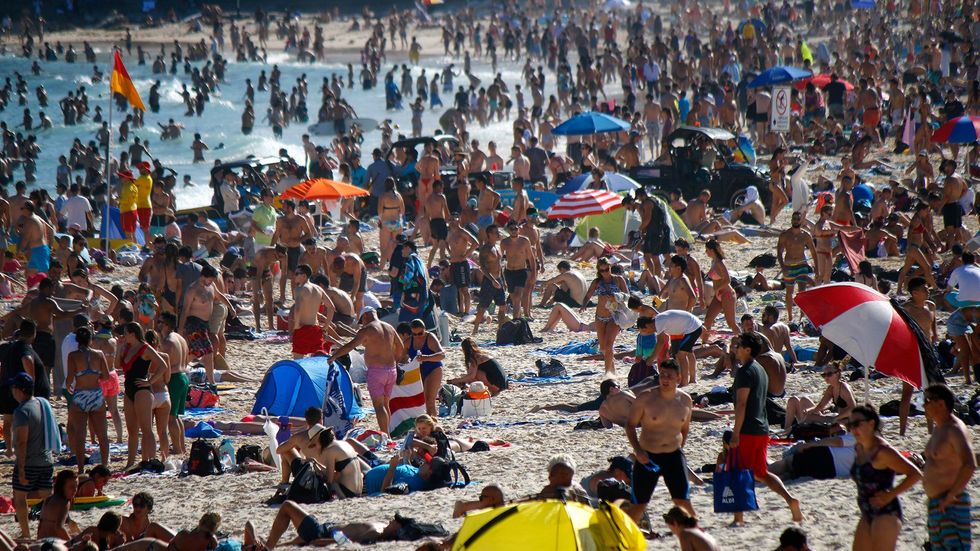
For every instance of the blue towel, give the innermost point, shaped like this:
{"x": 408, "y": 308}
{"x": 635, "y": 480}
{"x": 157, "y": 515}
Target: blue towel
{"x": 202, "y": 412}
{"x": 803, "y": 353}
{"x": 52, "y": 434}
{"x": 202, "y": 430}
{"x": 573, "y": 348}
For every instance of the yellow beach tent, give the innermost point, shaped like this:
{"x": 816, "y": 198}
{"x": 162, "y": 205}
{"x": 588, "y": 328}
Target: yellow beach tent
{"x": 549, "y": 525}
{"x": 612, "y": 224}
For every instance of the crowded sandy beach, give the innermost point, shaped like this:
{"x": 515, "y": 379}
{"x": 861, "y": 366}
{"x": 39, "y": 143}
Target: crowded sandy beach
{"x": 506, "y": 275}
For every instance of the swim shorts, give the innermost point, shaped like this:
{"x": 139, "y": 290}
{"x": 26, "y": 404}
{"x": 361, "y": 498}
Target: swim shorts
{"x": 685, "y": 343}
{"x": 310, "y": 530}
{"x": 490, "y": 294}
{"x": 40, "y": 259}
{"x": 144, "y": 215}
{"x": 381, "y": 380}
{"x": 483, "y": 222}
{"x": 753, "y": 453}
{"x": 128, "y": 221}
{"x": 308, "y": 339}
{"x": 794, "y": 272}
{"x": 515, "y": 279}
{"x": 198, "y": 339}
{"x": 178, "y": 387}
{"x": 439, "y": 229}
{"x": 461, "y": 274}
{"x": 672, "y": 466}
{"x": 952, "y": 215}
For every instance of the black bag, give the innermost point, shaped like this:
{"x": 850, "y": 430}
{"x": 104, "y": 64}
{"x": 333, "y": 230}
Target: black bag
{"x": 764, "y": 260}
{"x": 775, "y": 413}
{"x": 553, "y": 368}
{"x": 203, "y": 459}
{"x": 248, "y": 451}
{"x": 412, "y": 530}
{"x": 813, "y": 431}
{"x": 307, "y": 487}
{"x": 639, "y": 371}
{"x": 891, "y": 409}
{"x": 515, "y": 331}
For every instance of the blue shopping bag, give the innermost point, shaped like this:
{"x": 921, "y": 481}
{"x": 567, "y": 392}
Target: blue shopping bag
{"x": 734, "y": 488}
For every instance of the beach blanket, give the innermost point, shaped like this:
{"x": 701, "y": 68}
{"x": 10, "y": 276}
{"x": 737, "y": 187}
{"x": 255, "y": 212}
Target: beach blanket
{"x": 529, "y": 378}
{"x": 853, "y": 244}
{"x": 507, "y": 423}
{"x": 52, "y": 435}
{"x": 407, "y": 400}
{"x": 202, "y": 412}
{"x": 572, "y": 348}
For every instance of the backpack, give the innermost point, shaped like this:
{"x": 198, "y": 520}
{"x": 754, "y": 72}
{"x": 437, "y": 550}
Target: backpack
{"x": 248, "y": 451}
{"x": 515, "y": 331}
{"x": 202, "y": 396}
{"x": 443, "y": 447}
{"x": 307, "y": 486}
{"x": 552, "y": 368}
{"x": 203, "y": 459}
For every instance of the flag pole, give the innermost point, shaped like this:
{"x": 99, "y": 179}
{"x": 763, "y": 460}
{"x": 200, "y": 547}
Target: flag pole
{"x": 108, "y": 157}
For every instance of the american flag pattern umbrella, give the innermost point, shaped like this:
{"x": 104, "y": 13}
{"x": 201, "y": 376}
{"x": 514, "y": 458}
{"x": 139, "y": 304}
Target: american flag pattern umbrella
{"x": 584, "y": 203}
{"x": 871, "y": 328}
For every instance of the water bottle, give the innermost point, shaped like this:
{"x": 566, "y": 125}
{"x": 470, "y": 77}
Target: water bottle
{"x": 341, "y": 539}
{"x": 285, "y": 429}
{"x": 227, "y": 448}
{"x": 444, "y": 329}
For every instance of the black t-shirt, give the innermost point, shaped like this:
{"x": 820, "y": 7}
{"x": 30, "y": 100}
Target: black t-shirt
{"x": 753, "y": 377}
{"x": 953, "y": 109}
{"x": 13, "y": 364}
{"x": 835, "y": 92}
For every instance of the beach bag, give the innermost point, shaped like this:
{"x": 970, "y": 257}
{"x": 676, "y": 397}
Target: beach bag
{"x": 639, "y": 371}
{"x": 412, "y": 530}
{"x": 476, "y": 401}
{"x": 248, "y": 451}
{"x": 553, "y": 368}
{"x": 202, "y": 396}
{"x": 775, "y": 413}
{"x": 515, "y": 331}
{"x": 307, "y": 486}
{"x": 372, "y": 260}
{"x": 734, "y": 488}
{"x": 203, "y": 459}
{"x": 271, "y": 431}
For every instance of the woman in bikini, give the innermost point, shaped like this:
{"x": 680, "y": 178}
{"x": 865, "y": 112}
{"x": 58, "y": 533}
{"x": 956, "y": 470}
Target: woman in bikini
{"x": 391, "y": 211}
{"x": 876, "y": 463}
{"x": 139, "y": 362}
{"x": 837, "y": 397}
{"x": 723, "y": 300}
{"x": 335, "y": 462}
{"x": 161, "y": 396}
{"x": 87, "y": 368}
{"x": 168, "y": 294}
{"x": 605, "y": 287}
{"x": 918, "y": 251}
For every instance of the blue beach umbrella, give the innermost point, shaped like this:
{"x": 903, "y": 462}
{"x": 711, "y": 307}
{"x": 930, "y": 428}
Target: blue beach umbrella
{"x": 779, "y": 75}
{"x": 863, "y": 4}
{"x": 615, "y": 182}
{"x": 590, "y": 123}
{"x": 965, "y": 129}
{"x": 760, "y": 26}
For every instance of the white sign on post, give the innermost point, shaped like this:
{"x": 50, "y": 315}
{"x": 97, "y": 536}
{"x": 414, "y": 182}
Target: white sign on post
{"x": 780, "y": 109}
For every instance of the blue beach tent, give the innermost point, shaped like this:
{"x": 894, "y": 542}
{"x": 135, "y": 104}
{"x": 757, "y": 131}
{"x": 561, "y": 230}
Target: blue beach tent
{"x": 292, "y": 386}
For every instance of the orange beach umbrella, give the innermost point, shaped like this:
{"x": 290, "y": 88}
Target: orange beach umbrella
{"x": 321, "y": 188}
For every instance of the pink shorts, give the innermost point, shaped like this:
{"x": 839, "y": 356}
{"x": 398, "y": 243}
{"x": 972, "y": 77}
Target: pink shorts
{"x": 110, "y": 386}
{"x": 381, "y": 380}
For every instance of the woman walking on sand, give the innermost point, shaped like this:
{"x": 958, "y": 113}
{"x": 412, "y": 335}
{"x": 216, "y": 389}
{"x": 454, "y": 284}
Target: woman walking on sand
{"x": 605, "y": 287}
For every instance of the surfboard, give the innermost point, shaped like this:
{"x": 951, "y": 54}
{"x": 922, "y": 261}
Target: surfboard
{"x": 86, "y": 503}
{"x": 326, "y": 128}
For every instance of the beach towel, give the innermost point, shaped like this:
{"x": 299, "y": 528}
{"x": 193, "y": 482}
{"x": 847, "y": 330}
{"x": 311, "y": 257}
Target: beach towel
{"x": 530, "y": 378}
{"x": 334, "y": 413}
{"x": 202, "y": 412}
{"x": 407, "y": 400}
{"x": 52, "y": 434}
{"x": 853, "y": 244}
{"x": 573, "y": 348}
{"x": 508, "y": 423}
{"x": 799, "y": 188}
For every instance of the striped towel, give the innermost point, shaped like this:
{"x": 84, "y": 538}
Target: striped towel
{"x": 407, "y": 400}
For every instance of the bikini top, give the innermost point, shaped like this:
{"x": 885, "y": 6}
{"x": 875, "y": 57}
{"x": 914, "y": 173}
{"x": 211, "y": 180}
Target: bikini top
{"x": 606, "y": 288}
{"x": 88, "y": 366}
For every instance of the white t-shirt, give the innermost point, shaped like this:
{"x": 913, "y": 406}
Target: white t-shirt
{"x": 676, "y": 322}
{"x": 843, "y": 456}
{"x": 75, "y": 210}
{"x": 68, "y": 345}
{"x": 967, "y": 280}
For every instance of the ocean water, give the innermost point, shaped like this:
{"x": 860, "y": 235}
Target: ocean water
{"x": 220, "y": 124}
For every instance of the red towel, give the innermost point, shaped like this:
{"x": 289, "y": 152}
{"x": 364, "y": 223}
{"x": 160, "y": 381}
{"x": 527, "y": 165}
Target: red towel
{"x": 853, "y": 244}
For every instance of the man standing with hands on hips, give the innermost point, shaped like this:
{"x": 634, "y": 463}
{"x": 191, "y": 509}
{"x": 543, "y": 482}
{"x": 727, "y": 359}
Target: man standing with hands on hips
{"x": 750, "y": 437}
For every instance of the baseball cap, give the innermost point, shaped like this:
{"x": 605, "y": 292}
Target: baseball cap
{"x": 22, "y": 381}
{"x": 366, "y": 310}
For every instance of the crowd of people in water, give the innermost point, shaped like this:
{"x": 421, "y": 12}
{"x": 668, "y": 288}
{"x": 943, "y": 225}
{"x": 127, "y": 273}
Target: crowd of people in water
{"x": 891, "y": 76}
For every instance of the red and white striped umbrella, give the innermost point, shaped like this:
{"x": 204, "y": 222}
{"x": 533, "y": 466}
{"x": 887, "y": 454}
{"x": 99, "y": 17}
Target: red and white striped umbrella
{"x": 867, "y": 326}
{"x": 584, "y": 203}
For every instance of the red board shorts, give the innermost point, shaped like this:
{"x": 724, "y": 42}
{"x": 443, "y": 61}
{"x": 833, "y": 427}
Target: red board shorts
{"x": 128, "y": 220}
{"x": 144, "y": 216}
{"x": 753, "y": 453}
{"x": 308, "y": 340}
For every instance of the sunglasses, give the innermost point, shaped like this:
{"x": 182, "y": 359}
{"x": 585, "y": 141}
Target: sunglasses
{"x": 419, "y": 334}
{"x": 855, "y": 422}
{"x": 829, "y": 374}
{"x": 603, "y": 270}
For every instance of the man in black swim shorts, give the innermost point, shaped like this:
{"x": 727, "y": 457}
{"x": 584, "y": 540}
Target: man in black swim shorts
{"x": 311, "y": 531}
{"x": 664, "y": 415}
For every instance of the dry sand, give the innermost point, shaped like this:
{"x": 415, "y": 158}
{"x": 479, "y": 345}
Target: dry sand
{"x": 830, "y": 506}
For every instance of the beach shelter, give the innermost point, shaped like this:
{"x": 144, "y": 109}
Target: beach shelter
{"x": 291, "y": 386}
{"x": 111, "y": 227}
{"x": 779, "y": 74}
{"x": 586, "y": 124}
{"x": 612, "y": 225}
{"x": 407, "y": 400}
{"x": 549, "y": 524}
{"x": 758, "y": 24}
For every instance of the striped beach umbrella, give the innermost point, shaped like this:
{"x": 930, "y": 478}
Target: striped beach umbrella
{"x": 965, "y": 129}
{"x": 584, "y": 203}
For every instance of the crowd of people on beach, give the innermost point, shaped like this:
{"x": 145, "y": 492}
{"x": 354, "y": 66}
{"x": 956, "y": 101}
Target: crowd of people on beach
{"x": 893, "y": 74}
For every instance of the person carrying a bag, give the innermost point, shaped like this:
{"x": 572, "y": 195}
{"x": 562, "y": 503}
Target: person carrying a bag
{"x": 664, "y": 415}
{"x": 750, "y": 438}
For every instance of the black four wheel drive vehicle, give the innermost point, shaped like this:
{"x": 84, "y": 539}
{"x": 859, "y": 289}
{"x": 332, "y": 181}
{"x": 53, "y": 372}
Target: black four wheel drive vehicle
{"x": 698, "y": 158}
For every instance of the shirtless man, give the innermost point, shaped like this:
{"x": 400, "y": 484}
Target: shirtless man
{"x": 461, "y": 244}
{"x": 299, "y": 442}
{"x": 175, "y": 348}
{"x": 199, "y": 301}
{"x": 520, "y": 262}
{"x": 678, "y": 291}
{"x": 316, "y": 257}
{"x": 494, "y": 161}
{"x": 262, "y": 291}
{"x": 487, "y": 202}
{"x": 650, "y": 228}
{"x": 343, "y": 318}
{"x": 522, "y": 165}
{"x": 478, "y": 159}
{"x": 923, "y": 311}
{"x": 306, "y": 322}
{"x": 663, "y": 413}
{"x": 653, "y": 115}
{"x": 291, "y": 230}
{"x": 949, "y": 465}
{"x": 36, "y": 236}
{"x": 843, "y": 203}
{"x": 391, "y": 213}
{"x": 530, "y": 231}
{"x": 352, "y": 231}
{"x": 777, "y": 333}
{"x": 953, "y": 189}
{"x": 492, "y": 290}
{"x": 352, "y": 276}
{"x": 382, "y": 348}
{"x": 43, "y": 310}
{"x": 521, "y": 202}
{"x": 628, "y": 156}
{"x": 791, "y": 252}
{"x": 436, "y": 209}
{"x": 568, "y": 287}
